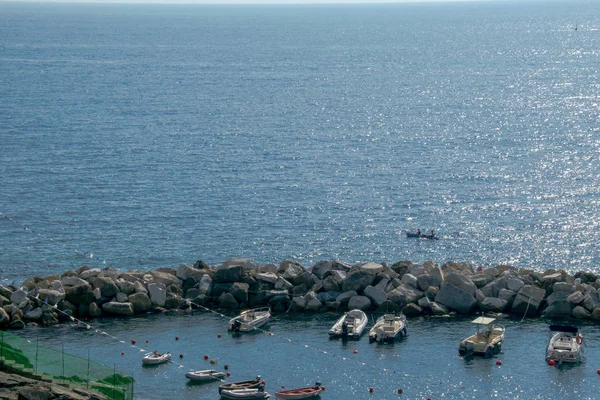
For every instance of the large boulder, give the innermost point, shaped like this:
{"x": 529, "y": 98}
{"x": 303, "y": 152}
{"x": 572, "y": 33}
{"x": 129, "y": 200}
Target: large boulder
{"x": 461, "y": 282}
{"x": 493, "y": 304}
{"x": 346, "y": 296}
{"x": 18, "y": 296}
{"x": 239, "y": 290}
{"x": 528, "y": 300}
{"x": 229, "y": 274}
{"x": 357, "y": 280}
{"x": 165, "y": 278}
{"x": 73, "y": 281}
{"x": 106, "y": 285}
{"x": 404, "y": 294}
{"x": 426, "y": 280}
{"x": 269, "y": 277}
{"x": 410, "y": 280}
{"x": 226, "y": 300}
{"x": 376, "y": 295}
{"x": 4, "y": 318}
{"x": 185, "y": 271}
{"x": 141, "y": 302}
{"x": 359, "y": 302}
{"x": 581, "y": 313}
{"x": 457, "y": 298}
{"x": 51, "y": 296}
{"x": 412, "y": 310}
{"x": 158, "y": 293}
{"x": 321, "y": 268}
{"x": 371, "y": 267}
{"x": 116, "y": 308}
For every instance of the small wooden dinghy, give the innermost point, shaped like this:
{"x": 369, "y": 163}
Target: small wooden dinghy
{"x": 350, "y": 325}
{"x": 205, "y": 375}
{"x": 301, "y": 393}
{"x": 246, "y": 393}
{"x": 250, "y": 320}
{"x": 249, "y": 384}
{"x": 155, "y": 358}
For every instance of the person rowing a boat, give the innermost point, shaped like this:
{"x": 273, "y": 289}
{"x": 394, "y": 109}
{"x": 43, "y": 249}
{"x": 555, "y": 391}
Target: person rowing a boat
{"x": 419, "y": 231}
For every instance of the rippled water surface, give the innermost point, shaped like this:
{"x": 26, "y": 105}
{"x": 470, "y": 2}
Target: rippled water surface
{"x": 150, "y": 136}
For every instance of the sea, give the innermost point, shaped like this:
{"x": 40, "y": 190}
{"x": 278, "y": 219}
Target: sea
{"x": 139, "y": 136}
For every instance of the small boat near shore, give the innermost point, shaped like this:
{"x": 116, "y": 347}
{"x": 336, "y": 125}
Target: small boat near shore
{"x": 351, "y": 325}
{"x": 249, "y": 384}
{"x": 565, "y": 344}
{"x": 250, "y": 320}
{"x": 246, "y": 393}
{"x": 301, "y": 393}
{"x": 155, "y": 358}
{"x": 487, "y": 341}
{"x": 388, "y": 328}
{"x": 205, "y": 375}
{"x": 418, "y": 235}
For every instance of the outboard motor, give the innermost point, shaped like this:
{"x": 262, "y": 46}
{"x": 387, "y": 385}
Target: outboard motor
{"x": 344, "y": 329}
{"x": 236, "y": 325}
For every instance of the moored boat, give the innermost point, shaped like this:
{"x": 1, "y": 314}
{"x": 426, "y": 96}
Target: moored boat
{"x": 565, "y": 344}
{"x": 301, "y": 393}
{"x": 350, "y": 325}
{"x": 487, "y": 341}
{"x": 205, "y": 375}
{"x": 388, "y": 328}
{"x": 246, "y": 393}
{"x": 155, "y": 358}
{"x": 249, "y": 384}
{"x": 250, "y": 320}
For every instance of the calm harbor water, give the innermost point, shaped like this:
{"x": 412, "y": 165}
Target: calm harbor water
{"x": 147, "y": 136}
{"x": 425, "y": 365}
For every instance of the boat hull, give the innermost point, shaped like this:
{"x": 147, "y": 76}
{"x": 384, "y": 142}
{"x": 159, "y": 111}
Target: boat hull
{"x": 302, "y": 393}
{"x": 250, "y": 320}
{"x": 356, "y": 321}
{"x": 150, "y": 359}
{"x": 565, "y": 347}
{"x": 244, "y": 394}
{"x": 204, "y": 376}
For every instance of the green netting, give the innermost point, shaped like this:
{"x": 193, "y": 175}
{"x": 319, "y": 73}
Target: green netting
{"x": 57, "y": 366}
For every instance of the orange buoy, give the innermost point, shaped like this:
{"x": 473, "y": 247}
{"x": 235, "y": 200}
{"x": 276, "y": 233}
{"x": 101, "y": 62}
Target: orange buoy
{"x": 498, "y": 362}
{"x": 205, "y": 357}
{"x": 400, "y": 391}
{"x": 355, "y": 351}
{"x": 228, "y": 373}
{"x": 370, "y": 390}
{"x": 176, "y": 337}
{"x": 551, "y": 362}
{"x": 213, "y": 361}
{"x": 132, "y": 341}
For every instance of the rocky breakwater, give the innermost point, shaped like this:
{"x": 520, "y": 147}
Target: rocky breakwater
{"x": 414, "y": 289}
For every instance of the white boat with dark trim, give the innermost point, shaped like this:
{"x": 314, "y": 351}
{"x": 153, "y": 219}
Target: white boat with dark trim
{"x": 155, "y": 358}
{"x": 250, "y": 320}
{"x": 350, "y": 325}
{"x": 301, "y": 393}
{"x": 487, "y": 341}
{"x": 565, "y": 344}
{"x": 205, "y": 375}
{"x": 388, "y": 328}
{"x": 246, "y": 393}
{"x": 249, "y": 384}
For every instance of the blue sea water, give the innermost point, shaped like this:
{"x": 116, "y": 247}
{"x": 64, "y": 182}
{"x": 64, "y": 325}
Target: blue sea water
{"x": 143, "y": 136}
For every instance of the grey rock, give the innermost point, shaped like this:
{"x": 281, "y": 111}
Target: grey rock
{"x": 558, "y": 309}
{"x": 562, "y": 287}
{"x": 73, "y": 281}
{"x": 410, "y": 280}
{"x": 321, "y": 268}
{"x": 283, "y": 284}
{"x": 438, "y": 309}
{"x": 158, "y": 293}
{"x": 377, "y": 296}
{"x": 116, "y": 308}
{"x": 90, "y": 273}
{"x": 229, "y": 274}
{"x": 412, "y": 310}
{"x": 371, "y": 267}
{"x": 493, "y": 304}
{"x": 424, "y": 281}
{"x": 34, "y": 314}
{"x": 106, "y": 285}
{"x": 125, "y": 287}
{"x": 94, "y": 311}
{"x": 456, "y": 298}
{"x": 514, "y": 284}
{"x": 121, "y": 297}
{"x": 404, "y": 294}
{"x": 462, "y": 282}
{"x": 141, "y": 302}
{"x": 528, "y": 300}
{"x": 357, "y": 280}
{"x": 51, "y": 296}
{"x": 359, "y": 302}
{"x": 226, "y": 300}
{"x": 581, "y": 313}
{"x": 18, "y": 296}
{"x": 576, "y": 298}
{"x": 346, "y": 296}
{"x": 266, "y": 277}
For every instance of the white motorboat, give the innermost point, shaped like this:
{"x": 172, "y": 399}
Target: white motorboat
{"x": 565, "y": 344}
{"x": 155, "y": 358}
{"x": 350, "y": 325}
{"x": 388, "y": 328}
{"x": 205, "y": 375}
{"x": 487, "y": 341}
{"x": 246, "y": 393}
{"x": 250, "y": 320}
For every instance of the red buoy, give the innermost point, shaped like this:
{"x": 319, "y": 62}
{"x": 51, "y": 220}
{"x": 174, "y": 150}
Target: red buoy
{"x": 146, "y": 340}
{"x": 551, "y": 362}
{"x": 176, "y": 337}
{"x": 283, "y": 387}
{"x": 598, "y": 372}
{"x": 263, "y": 382}
{"x": 228, "y": 373}
{"x": 219, "y": 335}
{"x": 205, "y": 357}
{"x": 122, "y": 353}
{"x": 355, "y": 351}
{"x": 498, "y": 362}
{"x": 226, "y": 366}
{"x": 400, "y": 391}
{"x": 371, "y": 390}
{"x": 132, "y": 341}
